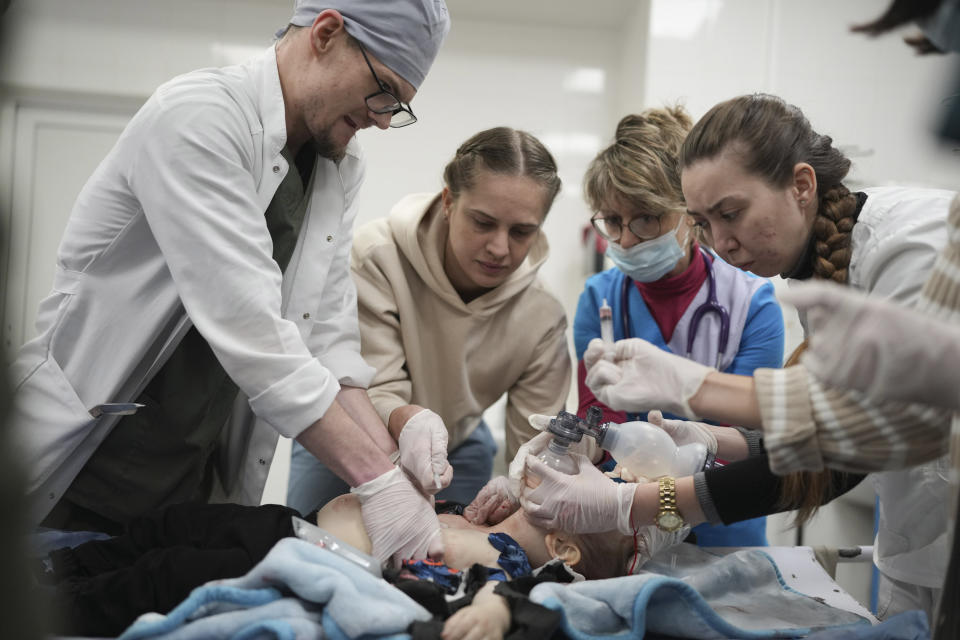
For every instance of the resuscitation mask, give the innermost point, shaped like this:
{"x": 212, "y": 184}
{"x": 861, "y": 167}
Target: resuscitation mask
{"x": 650, "y": 260}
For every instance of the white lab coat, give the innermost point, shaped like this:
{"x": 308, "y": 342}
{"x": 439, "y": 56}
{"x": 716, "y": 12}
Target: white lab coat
{"x": 896, "y": 240}
{"x": 169, "y": 232}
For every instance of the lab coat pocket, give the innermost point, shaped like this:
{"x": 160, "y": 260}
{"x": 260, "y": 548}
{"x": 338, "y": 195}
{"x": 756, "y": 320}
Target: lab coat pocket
{"x": 52, "y": 421}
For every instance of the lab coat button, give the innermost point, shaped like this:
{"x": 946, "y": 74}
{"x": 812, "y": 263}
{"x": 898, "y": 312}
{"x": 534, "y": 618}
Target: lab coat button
{"x": 276, "y": 168}
{"x": 306, "y": 316}
{"x": 262, "y": 461}
{"x": 329, "y": 238}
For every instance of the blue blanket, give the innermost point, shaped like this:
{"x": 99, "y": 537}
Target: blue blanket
{"x": 303, "y": 591}
{"x": 297, "y": 591}
{"x": 689, "y": 593}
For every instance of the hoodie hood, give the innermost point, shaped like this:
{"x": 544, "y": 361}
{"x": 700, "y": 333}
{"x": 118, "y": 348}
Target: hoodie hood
{"x": 420, "y": 233}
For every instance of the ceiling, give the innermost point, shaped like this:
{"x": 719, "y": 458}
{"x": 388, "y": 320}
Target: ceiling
{"x": 607, "y": 14}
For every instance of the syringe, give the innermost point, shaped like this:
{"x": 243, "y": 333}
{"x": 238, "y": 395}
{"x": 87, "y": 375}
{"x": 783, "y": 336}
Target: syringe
{"x": 606, "y": 322}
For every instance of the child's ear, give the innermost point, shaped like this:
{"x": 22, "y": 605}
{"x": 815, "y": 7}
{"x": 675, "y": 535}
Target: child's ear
{"x": 564, "y": 546}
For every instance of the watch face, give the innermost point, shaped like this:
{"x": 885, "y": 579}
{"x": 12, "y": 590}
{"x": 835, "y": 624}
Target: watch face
{"x": 669, "y": 521}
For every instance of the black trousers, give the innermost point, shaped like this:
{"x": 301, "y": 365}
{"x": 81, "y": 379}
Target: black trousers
{"x": 99, "y": 588}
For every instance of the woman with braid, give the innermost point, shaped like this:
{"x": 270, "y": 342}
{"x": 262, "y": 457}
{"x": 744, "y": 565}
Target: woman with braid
{"x": 766, "y": 192}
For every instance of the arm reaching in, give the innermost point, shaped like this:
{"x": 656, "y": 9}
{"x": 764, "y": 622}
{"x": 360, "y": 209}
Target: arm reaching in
{"x": 501, "y": 496}
{"x": 723, "y": 442}
{"x": 887, "y": 351}
{"x": 423, "y": 447}
{"x": 639, "y": 376}
{"x": 399, "y": 520}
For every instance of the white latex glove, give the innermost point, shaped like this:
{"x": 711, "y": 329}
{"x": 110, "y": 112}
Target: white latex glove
{"x": 587, "y": 502}
{"x": 651, "y": 541}
{"x": 400, "y": 521}
{"x": 500, "y": 497}
{"x": 643, "y": 377}
{"x": 872, "y": 345}
{"x": 686, "y": 431}
{"x": 494, "y": 502}
{"x": 598, "y": 350}
{"x": 535, "y": 445}
{"x": 423, "y": 451}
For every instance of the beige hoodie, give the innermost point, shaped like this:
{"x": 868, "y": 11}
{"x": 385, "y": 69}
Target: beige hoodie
{"x": 431, "y": 349}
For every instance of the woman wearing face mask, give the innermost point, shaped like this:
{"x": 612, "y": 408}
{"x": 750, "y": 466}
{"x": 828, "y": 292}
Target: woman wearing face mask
{"x": 768, "y": 193}
{"x": 453, "y": 315}
{"x": 662, "y": 277}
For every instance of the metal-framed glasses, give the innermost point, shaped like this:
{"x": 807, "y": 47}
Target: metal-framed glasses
{"x": 384, "y": 101}
{"x": 644, "y": 226}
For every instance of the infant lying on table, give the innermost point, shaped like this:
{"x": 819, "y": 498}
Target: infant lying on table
{"x": 515, "y": 546}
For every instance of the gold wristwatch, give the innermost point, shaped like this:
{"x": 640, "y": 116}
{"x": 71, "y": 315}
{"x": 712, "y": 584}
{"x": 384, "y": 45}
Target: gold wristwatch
{"x": 668, "y": 518}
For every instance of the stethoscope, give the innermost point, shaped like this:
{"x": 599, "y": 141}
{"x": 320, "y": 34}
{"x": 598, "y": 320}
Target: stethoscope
{"x": 710, "y": 306}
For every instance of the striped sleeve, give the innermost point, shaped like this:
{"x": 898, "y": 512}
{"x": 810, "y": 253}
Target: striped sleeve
{"x": 941, "y": 298}
{"x": 807, "y": 427}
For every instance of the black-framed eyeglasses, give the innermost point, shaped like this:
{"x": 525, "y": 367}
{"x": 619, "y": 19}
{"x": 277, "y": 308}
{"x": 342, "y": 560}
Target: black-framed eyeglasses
{"x": 384, "y": 101}
{"x": 644, "y": 226}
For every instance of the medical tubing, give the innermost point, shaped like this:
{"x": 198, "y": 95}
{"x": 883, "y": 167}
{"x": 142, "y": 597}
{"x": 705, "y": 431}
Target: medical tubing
{"x": 325, "y": 540}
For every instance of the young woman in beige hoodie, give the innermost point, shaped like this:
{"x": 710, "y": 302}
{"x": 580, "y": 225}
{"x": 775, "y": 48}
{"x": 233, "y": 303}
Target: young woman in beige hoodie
{"x": 452, "y": 316}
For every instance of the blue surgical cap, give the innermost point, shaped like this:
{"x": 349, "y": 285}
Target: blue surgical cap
{"x": 405, "y": 35}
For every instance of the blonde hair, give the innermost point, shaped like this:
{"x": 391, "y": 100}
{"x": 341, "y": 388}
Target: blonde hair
{"x": 641, "y": 166}
{"x": 505, "y": 151}
{"x": 770, "y": 137}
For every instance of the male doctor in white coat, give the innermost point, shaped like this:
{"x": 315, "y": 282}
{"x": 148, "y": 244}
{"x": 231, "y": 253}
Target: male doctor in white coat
{"x": 209, "y": 255}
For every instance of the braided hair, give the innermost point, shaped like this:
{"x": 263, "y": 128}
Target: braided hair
{"x": 506, "y": 151}
{"x": 771, "y": 137}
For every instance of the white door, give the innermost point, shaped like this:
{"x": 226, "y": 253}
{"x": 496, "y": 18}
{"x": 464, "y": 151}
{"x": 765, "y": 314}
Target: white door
{"x": 50, "y": 152}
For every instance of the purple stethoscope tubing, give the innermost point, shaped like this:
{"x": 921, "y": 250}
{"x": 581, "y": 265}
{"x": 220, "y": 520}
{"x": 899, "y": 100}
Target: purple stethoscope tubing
{"x": 712, "y": 305}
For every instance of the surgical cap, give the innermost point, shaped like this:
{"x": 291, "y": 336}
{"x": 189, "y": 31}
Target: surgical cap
{"x": 405, "y": 35}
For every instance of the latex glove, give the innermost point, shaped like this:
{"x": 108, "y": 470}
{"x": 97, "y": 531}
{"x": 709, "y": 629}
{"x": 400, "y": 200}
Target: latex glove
{"x": 423, "y": 451}
{"x": 500, "y": 497}
{"x": 651, "y": 541}
{"x": 399, "y": 520}
{"x": 598, "y": 350}
{"x": 587, "y": 502}
{"x": 882, "y": 349}
{"x": 686, "y": 431}
{"x": 587, "y": 447}
{"x": 494, "y": 503}
{"x": 643, "y": 377}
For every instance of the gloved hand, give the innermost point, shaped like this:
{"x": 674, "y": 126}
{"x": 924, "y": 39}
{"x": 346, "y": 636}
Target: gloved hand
{"x": 598, "y": 350}
{"x": 399, "y": 520}
{"x": 587, "y": 502}
{"x": 494, "y": 502}
{"x": 651, "y": 541}
{"x": 643, "y": 377}
{"x": 500, "y": 497}
{"x": 872, "y": 345}
{"x": 423, "y": 451}
{"x": 686, "y": 431}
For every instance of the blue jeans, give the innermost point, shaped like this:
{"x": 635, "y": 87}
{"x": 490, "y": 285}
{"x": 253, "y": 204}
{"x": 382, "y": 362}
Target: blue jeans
{"x": 747, "y": 533}
{"x": 312, "y": 485}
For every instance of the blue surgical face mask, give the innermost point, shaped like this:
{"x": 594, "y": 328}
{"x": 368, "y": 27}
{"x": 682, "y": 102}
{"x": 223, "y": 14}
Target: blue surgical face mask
{"x": 651, "y": 260}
